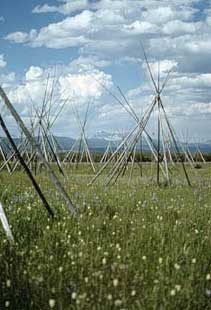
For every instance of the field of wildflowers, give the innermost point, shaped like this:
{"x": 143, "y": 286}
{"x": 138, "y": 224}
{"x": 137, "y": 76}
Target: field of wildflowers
{"x": 135, "y": 246}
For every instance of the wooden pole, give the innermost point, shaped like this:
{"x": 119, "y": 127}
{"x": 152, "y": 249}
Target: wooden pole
{"x": 27, "y": 170}
{"x": 51, "y": 174}
{"x": 158, "y": 148}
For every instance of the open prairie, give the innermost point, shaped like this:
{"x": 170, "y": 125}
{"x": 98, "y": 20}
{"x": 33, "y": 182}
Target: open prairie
{"x": 134, "y": 246}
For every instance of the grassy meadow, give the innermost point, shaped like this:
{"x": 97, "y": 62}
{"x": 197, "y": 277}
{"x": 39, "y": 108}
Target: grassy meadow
{"x": 135, "y": 246}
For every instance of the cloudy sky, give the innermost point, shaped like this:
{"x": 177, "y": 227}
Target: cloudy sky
{"x": 89, "y": 45}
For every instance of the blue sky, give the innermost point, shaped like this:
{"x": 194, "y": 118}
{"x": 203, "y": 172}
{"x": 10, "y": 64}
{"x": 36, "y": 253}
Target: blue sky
{"x": 100, "y": 40}
{"x": 18, "y": 16}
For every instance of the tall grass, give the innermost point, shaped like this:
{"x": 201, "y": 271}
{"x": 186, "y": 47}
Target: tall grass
{"x": 135, "y": 246}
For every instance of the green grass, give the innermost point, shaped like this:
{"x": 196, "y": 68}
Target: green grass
{"x": 135, "y": 246}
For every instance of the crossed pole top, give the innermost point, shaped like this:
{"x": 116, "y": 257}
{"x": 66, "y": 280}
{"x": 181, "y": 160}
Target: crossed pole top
{"x": 157, "y": 87}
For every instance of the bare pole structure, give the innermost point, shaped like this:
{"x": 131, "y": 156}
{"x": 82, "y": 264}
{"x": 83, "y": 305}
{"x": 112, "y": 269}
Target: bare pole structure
{"x": 105, "y": 155}
{"x": 197, "y": 154}
{"x": 140, "y": 128}
{"x": 141, "y": 155}
{"x": 83, "y": 140}
{"x": 129, "y": 109}
{"x": 127, "y": 152}
{"x": 200, "y": 153}
{"x": 47, "y": 125}
{"x": 42, "y": 112}
{"x": 175, "y": 143}
{"x": 71, "y": 152}
{"x": 36, "y": 146}
{"x": 46, "y": 122}
{"x": 158, "y": 140}
{"x": 158, "y": 91}
{"x": 27, "y": 170}
{"x": 4, "y": 156}
{"x": 108, "y": 151}
{"x": 113, "y": 155}
{"x": 164, "y": 151}
{"x": 123, "y": 158}
{"x": 159, "y": 125}
{"x": 167, "y": 143}
{"x": 21, "y": 147}
{"x": 188, "y": 154}
{"x": 132, "y": 165}
{"x": 46, "y": 138}
{"x": 9, "y": 158}
{"x": 44, "y": 117}
{"x": 159, "y": 151}
{"x": 133, "y": 114}
{"x": 82, "y": 129}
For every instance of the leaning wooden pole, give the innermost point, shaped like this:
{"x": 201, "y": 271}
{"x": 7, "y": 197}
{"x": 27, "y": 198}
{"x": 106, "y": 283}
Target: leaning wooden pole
{"x": 36, "y": 146}
{"x": 5, "y": 224}
{"x": 5, "y": 159}
{"x": 27, "y": 170}
{"x": 141, "y": 153}
{"x": 158, "y": 148}
{"x": 175, "y": 143}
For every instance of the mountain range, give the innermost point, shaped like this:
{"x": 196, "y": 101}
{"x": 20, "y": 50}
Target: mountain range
{"x": 100, "y": 140}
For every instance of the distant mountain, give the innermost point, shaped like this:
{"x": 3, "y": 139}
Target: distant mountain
{"x": 108, "y": 136}
{"x": 65, "y": 143}
{"x": 100, "y": 143}
{"x": 204, "y": 147}
{"x": 100, "y": 140}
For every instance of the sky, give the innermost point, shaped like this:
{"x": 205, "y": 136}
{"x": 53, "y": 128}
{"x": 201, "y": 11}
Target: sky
{"x": 90, "y": 47}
